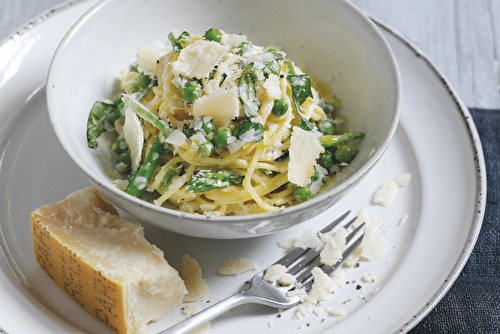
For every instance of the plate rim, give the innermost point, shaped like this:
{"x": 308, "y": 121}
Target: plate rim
{"x": 481, "y": 179}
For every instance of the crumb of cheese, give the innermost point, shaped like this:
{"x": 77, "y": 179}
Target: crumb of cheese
{"x": 309, "y": 238}
{"x": 237, "y": 266}
{"x": 277, "y": 273}
{"x": 336, "y": 312}
{"x": 288, "y": 243}
{"x": 386, "y": 193}
{"x": 334, "y": 246}
{"x": 369, "y": 278}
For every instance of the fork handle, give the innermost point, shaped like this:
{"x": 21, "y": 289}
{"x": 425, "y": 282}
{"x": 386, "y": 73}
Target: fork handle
{"x": 207, "y": 314}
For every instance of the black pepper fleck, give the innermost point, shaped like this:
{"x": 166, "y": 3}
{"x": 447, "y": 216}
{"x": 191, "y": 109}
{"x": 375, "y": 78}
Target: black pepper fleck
{"x": 358, "y": 287}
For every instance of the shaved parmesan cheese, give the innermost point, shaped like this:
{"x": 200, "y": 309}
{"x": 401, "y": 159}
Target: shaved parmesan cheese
{"x": 277, "y": 273}
{"x": 237, "y": 266}
{"x": 322, "y": 287}
{"x": 223, "y": 105}
{"x": 336, "y": 312}
{"x": 371, "y": 223}
{"x": 272, "y": 86}
{"x": 134, "y": 136}
{"x": 147, "y": 57}
{"x": 307, "y": 239}
{"x": 198, "y": 137}
{"x": 287, "y": 243}
{"x": 354, "y": 257}
{"x": 233, "y": 40}
{"x": 191, "y": 275}
{"x": 305, "y": 148}
{"x": 403, "y": 180}
{"x": 334, "y": 246}
{"x": 374, "y": 246}
{"x": 274, "y": 273}
{"x": 197, "y": 59}
{"x": 176, "y": 138}
{"x": 387, "y": 192}
{"x": 235, "y": 146}
{"x": 287, "y": 279}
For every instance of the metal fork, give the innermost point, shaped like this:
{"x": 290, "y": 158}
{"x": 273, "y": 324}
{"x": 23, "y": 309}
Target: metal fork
{"x": 298, "y": 262}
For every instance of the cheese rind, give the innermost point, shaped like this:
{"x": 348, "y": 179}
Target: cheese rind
{"x": 104, "y": 263}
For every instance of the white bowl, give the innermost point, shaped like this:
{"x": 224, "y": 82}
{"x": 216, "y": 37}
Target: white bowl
{"x": 331, "y": 39}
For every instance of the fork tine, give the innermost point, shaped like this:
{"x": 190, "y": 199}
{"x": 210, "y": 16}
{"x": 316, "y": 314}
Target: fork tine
{"x": 297, "y": 253}
{"x": 306, "y": 277}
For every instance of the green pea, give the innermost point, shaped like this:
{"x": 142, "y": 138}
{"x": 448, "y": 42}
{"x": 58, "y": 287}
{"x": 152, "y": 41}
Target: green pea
{"x": 191, "y": 91}
{"x": 280, "y": 107}
{"x": 208, "y": 127}
{"x": 221, "y": 137}
{"x": 326, "y": 127}
{"x": 315, "y": 176}
{"x": 302, "y": 194}
{"x": 207, "y": 148}
{"x": 124, "y": 162}
{"x": 213, "y": 34}
{"x": 326, "y": 160}
{"x": 344, "y": 153}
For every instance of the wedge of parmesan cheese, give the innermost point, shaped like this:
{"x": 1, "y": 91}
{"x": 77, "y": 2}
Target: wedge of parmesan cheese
{"x": 104, "y": 263}
{"x": 305, "y": 148}
{"x": 197, "y": 59}
{"x": 223, "y": 105}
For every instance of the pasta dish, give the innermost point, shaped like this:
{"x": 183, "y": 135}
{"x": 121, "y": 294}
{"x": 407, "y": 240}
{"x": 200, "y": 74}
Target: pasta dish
{"x": 215, "y": 125}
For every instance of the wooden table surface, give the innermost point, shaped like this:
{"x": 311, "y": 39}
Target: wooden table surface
{"x": 461, "y": 37}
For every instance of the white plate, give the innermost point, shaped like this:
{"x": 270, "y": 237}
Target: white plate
{"x": 436, "y": 142}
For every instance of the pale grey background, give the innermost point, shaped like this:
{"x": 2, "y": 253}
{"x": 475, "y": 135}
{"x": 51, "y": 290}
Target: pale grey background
{"x": 461, "y": 37}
